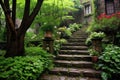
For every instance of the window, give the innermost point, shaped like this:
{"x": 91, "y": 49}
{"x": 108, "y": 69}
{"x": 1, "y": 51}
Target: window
{"x": 109, "y": 7}
{"x": 87, "y": 9}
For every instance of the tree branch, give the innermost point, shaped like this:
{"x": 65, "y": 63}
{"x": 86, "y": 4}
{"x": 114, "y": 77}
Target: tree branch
{"x": 7, "y": 15}
{"x": 30, "y": 18}
{"x": 26, "y": 12}
{"x": 25, "y": 16}
{"x": 36, "y": 10}
{"x": 14, "y": 11}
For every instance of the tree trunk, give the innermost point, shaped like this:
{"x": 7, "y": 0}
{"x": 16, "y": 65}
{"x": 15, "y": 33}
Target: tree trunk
{"x": 15, "y": 38}
{"x": 15, "y": 45}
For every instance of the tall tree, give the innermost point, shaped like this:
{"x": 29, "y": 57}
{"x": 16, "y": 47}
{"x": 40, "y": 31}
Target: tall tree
{"x": 15, "y": 35}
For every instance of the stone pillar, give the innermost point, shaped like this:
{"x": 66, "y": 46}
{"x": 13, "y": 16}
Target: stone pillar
{"x": 97, "y": 45}
{"x": 48, "y": 45}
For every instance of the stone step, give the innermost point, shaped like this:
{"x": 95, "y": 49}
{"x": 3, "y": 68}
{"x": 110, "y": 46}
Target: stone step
{"x": 76, "y": 40}
{"x": 76, "y": 72}
{"x": 74, "y": 52}
{"x": 58, "y": 77}
{"x": 81, "y": 32}
{"x": 80, "y": 35}
{"x": 74, "y": 48}
{"x": 72, "y": 37}
{"x": 73, "y": 57}
{"x": 75, "y": 64}
{"x": 74, "y": 44}
{"x": 73, "y": 61}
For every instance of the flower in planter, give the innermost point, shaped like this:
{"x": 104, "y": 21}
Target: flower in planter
{"x": 94, "y": 55}
{"x": 93, "y": 36}
{"x": 93, "y": 52}
{"x": 97, "y": 35}
{"x": 109, "y": 22}
{"x": 48, "y": 29}
{"x": 106, "y": 23}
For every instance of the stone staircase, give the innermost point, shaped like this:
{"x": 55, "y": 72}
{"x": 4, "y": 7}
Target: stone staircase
{"x": 73, "y": 61}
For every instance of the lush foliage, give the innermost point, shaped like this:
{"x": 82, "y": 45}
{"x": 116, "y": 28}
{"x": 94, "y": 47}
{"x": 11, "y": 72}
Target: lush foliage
{"x": 64, "y": 31}
{"x": 94, "y": 35}
{"x": 25, "y": 68}
{"x": 57, "y": 45}
{"x": 77, "y": 4}
{"x": 48, "y": 27}
{"x": 30, "y": 36}
{"x": 97, "y": 35}
{"x": 93, "y": 52}
{"x": 34, "y": 51}
{"x": 88, "y": 41}
{"x": 106, "y": 23}
{"x": 32, "y": 39}
{"x": 74, "y": 27}
{"x": 110, "y": 61}
{"x": 111, "y": 22}
{"x": 67, "y": 32}
{"x": 53, "y": 12}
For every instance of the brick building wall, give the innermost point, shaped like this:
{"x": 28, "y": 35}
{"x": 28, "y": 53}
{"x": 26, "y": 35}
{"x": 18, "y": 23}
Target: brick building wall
{"x": 117, "y": 5}
{"x": 86, "y": 18}
{"x": 101, "y": 6}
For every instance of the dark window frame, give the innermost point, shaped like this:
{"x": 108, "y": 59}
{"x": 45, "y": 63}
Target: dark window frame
{"x": 87, "y": 9}
{"x": 109, "y": 7}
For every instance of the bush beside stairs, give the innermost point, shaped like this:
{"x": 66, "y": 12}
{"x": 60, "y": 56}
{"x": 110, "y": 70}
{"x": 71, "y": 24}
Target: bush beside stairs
{"x": 73, "y": 61}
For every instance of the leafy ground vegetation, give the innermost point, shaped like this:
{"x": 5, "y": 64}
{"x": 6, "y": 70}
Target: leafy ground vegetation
{"x": 27, "y": 67}
{"x": 110, "y": 62}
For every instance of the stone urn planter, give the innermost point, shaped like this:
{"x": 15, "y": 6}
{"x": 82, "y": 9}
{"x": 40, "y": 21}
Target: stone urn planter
{"x": 94, "y": 59}
{"x": 48, "y": 34}
{"x": 48, "y": 29}
{"x": 96, "y": 38}
{"x": 97, "y": 44}
{"x": 94, "y": 55}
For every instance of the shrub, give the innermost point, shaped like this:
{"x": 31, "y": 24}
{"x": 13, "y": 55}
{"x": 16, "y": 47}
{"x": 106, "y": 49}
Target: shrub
{"x": 94, "y": 26}
{"x": 110, "y": 61}
{"x": 106, "y": 23}
{"x": 111, "y": 22}
{"x": 97, "y": 35}
{"x": 94, "y": 35}
{"x": 38, "y": 51}
{"x": 25, "y": 67}
{"x": 57, "y": 45}
{"x": 88, "y": 41}
{"x": 35, "y": 51}
{"x": 93, "y": 52}
{"x": 65, "y": 32}
{"x": 74, "y": 27}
